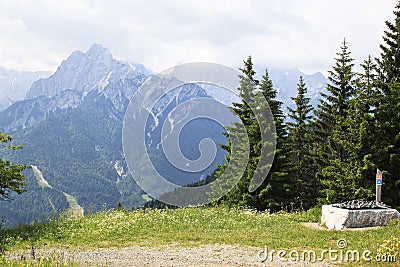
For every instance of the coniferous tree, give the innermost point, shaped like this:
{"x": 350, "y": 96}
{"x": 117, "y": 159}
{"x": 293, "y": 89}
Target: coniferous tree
{"x": 278, "y": 189}
{"x": 11, "y": 178}
{"x": 389, "y": 61}
{"x": 240, "y": 195}
{"x": 299, "y": 130}
{"x": 387, "y": 114}
{"x": 276, "y": 192}
{"x": 361, "y": 125}
{"x": 330, "y": 128}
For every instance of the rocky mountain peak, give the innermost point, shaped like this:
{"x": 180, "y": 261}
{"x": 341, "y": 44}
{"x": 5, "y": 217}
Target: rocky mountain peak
{"x": 82, "y": 71}
{"x": 97, "y": 51}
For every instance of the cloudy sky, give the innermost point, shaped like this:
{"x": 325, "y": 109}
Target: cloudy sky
{"x": 304, "y": 34}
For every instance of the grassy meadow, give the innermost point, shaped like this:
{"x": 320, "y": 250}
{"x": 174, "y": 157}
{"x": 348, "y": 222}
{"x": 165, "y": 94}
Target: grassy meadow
{"x": 195, "y": 227}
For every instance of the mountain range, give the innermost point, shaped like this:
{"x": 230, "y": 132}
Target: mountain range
{"x": 70, "y": 123}
{"x": 15, "y": 84}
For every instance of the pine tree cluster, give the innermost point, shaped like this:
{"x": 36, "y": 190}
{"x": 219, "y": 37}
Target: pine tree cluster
{"x": 328, "y": 154}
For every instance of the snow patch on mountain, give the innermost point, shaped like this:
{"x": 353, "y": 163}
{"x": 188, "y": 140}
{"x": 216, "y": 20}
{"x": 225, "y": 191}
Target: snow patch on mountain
{"x": 103, "y": 83}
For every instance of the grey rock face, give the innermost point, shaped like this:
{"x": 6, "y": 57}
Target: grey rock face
{"x": 83, "y": 72}
{"x": 95, "y": 73}
{"x": 26, "y": 113}
{"x": 15, "y": 84}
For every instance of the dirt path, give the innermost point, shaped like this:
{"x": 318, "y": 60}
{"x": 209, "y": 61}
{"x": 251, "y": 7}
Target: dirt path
{"x": 208, "y": 255}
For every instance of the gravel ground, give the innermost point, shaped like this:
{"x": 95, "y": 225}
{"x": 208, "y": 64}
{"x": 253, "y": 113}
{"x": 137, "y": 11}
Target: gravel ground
{"x": 208, "y": 255}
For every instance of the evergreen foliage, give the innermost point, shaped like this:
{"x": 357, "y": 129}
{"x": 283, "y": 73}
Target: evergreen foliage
{"x": 11, "y": 177}
{"x": 360, "y": 124}
{"x": 334, "y": 168}
{"x": 240, "y": 195}
{"x": 299, "y": 128}
{"x": 278, "y": 190}
{"x": 273, "y": 194}
{"x": 387, "y": 113}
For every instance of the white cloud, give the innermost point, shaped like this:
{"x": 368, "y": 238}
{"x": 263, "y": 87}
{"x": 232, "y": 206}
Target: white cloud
{"x": 289, "y": 33}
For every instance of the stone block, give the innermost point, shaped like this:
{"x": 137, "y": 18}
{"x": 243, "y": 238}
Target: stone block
{"x": 338, "y": 218}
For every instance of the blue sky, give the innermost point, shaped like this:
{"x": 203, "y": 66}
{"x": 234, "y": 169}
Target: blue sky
{"x": 304, "y": 34}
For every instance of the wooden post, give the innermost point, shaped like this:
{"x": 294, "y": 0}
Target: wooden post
{"x": 378, "y": 186}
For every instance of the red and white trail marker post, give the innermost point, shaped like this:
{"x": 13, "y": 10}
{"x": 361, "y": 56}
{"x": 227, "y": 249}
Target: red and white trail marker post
{"x": 378, "y": 185}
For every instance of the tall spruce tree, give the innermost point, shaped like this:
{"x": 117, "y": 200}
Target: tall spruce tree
{"x": 387, "y": 114}
{"x": 389, "y": 61}
{"x": 360, "y": 123}
{"x": 330, "y": 128}
{"x": 299, "y": 129}
{"x": 240, "y": 195}
{"x": 278, "y": 190}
